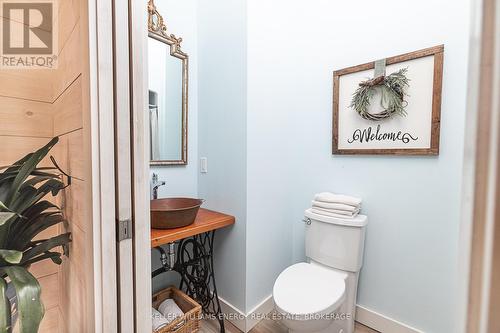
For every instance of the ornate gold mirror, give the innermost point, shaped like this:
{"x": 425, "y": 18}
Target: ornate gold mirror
{"x": 168, "y": 93}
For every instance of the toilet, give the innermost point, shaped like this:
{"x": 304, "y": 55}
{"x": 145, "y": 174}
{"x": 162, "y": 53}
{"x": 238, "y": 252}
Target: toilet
{"x": 319, "y": 296}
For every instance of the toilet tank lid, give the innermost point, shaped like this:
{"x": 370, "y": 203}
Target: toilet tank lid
{"x": 358, "y": 221}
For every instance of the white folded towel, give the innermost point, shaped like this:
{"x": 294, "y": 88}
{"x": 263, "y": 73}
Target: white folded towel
{"x": 337, "y": 211}
{"x": 336, "y": 206}
{"x": 329, "y": 214}
{"x": 159, "y": 321}
{"x": 337, "y": 198}
{"x": 169, "y": 309}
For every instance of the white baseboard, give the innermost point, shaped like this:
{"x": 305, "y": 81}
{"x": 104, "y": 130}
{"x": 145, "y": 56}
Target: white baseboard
{"x": 367, "y": 317}
{"x": 245, "y": 322}
{"x": 259, "y": 312}
{"x": 233, "y": 314}
{"x": 381, "y": 323}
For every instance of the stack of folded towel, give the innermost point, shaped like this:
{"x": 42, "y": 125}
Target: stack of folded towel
{"x": 336, "y": 205}
{"x": 167, "y": 312}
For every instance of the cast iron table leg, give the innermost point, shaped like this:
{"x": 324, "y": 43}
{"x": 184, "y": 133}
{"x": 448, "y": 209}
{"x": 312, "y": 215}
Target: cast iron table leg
{"x": 196, "y": 267}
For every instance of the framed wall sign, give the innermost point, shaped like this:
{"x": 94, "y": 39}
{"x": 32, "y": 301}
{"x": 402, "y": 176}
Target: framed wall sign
{"x": 391, "y": 106}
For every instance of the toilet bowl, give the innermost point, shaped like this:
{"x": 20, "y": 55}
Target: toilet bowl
{"x": 306, "y": 296}
{"x": 319, "y": 296}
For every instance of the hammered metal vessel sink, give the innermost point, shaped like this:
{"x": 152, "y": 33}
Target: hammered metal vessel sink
{"x": 172, "y": 213}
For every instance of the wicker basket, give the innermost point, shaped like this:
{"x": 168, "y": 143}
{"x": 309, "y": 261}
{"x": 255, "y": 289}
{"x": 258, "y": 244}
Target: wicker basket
{"x": 190, "y": 322}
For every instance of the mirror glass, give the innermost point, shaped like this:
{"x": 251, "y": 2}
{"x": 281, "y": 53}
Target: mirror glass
{"x": 168, "y": 93}
{"x": 165, "y": 102}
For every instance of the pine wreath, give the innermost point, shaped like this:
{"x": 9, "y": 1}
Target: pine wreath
{"x": 393, "y": 91}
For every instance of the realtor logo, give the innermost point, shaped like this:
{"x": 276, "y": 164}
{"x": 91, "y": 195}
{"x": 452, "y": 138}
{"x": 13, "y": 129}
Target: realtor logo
{"x": 28, "y": 34}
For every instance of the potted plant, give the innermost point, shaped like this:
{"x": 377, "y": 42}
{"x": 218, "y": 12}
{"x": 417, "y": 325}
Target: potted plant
{"x": 24, "y": 213}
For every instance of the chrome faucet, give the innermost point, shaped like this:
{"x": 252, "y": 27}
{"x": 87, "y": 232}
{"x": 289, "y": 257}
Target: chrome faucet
{"x": 155, "y": 184}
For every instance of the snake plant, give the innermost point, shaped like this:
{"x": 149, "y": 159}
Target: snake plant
{"x": 24, "y": 213}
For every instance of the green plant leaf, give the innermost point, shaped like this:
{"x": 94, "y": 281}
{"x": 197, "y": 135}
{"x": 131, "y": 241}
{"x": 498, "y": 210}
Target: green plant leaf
{"x": 5, "y": 313}
{"x": 29, "y": 195}
{"x": 30, "y": 217}
{"x": 23, "y": 215}
{"x": 7, "y": 178}
{"x": 36, "y": 172}
{"x": 53, "y": 185}
{"x": 4, "y": 189}
{"x": 11, "y": 256}
{"x": 3, "y": 207}
{"x": 39, "y": 208}
{"x": 20, "y": 162}
{"x": 47, "y": 245}
{"x": 24, "y": 199}
{"x": 54, "y": 256}
{"x": 37, "y": 179}
{"x": 28, "y": 166}
{"x": 42, "y": 223}
{"x": 29, "y": 303}
{"x": 24, "y": 223}
{"x": 5, "y": 216}
{"x": 31, "y": 214}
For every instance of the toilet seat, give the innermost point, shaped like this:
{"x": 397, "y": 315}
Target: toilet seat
{"x": 306, "y": 290}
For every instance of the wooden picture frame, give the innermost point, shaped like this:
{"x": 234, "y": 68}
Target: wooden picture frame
{"x": 437, "y": 53}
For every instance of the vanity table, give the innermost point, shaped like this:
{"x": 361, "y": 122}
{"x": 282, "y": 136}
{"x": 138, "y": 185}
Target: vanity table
{"x": 192, "y": 258}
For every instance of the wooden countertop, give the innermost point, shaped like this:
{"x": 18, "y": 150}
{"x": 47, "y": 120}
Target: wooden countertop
{"x": 206, "y": 220}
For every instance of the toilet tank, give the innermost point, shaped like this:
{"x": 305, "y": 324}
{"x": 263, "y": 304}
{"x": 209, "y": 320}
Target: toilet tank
{"x": 335, "y": 242}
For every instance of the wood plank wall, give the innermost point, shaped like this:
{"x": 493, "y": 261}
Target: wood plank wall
{"x": 40, "y": 104}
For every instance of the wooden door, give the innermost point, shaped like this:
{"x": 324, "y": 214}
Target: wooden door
{"x": 122, "y": 269}
{"x": 123, "y": 169}
{"x": 131, "y": 167}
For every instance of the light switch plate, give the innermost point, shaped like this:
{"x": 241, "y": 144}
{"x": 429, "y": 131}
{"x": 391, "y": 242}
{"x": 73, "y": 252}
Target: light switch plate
{"x": 203, "y": 165}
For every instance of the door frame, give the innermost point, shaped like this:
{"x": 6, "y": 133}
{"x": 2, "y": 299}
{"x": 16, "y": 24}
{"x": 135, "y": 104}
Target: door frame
{"x": 480, "y": 228}
{"x": 102, "y": 149}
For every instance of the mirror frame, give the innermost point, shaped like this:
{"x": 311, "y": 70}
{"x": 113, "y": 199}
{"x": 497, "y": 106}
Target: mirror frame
{"x": 158, "y": 30}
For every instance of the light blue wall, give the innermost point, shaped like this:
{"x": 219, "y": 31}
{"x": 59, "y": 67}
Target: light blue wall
{"x": 413, "y": 203}
{"x": 182, "y": 181}
{"x": 222, "y": 134}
